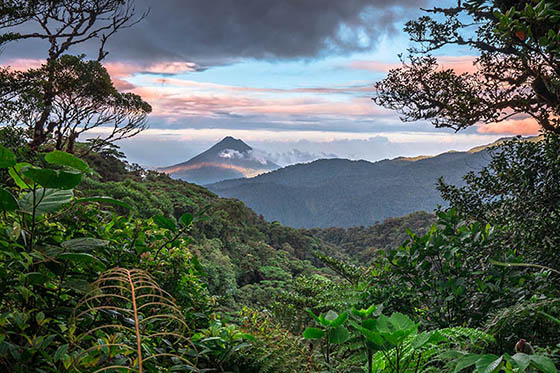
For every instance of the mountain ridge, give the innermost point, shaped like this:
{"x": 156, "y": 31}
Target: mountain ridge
{"x": 341, "y": 192}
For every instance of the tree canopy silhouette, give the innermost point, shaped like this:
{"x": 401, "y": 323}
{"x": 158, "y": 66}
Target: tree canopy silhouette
{"x": 515, "y": 73}
{"x": 67, "y": 95}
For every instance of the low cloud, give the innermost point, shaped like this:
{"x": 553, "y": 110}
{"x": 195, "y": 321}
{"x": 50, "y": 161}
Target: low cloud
{"x": 253, "y": 155}
{"x": 461, "y": 64}
{"x": 523, "y": 126}
{"x": 294, "y": 156}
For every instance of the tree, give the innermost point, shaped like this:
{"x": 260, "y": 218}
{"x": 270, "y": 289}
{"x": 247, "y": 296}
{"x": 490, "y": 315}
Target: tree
{"x": 519, "y": 190}
{"x": 64, "y": 24}
{"x": 82, "y": 98}
{"x": 517, "y": 70}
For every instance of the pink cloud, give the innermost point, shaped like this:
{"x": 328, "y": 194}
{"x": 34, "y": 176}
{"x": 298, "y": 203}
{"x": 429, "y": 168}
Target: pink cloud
{"x": 377, "y": 66}
{"x": 365, "y": 88}
{"x": 21, "y": 64}
{"x": 524, "y": 126}
{"x": 460, "y": 64}
{"x": 119, "y": 71}
{"x": 178, "y": 103}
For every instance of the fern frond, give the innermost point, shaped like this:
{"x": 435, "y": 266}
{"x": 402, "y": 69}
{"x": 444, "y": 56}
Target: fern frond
{"x": 126, "y": 321}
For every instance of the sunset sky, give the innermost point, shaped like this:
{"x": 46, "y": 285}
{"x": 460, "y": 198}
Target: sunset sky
{"x": 293, "y": 79}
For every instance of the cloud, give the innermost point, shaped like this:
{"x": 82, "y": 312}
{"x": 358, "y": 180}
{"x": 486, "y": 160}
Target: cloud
{"x": 119, "y": 71}
{"x": 253, "y": 155}
{"x": 297, "y": 156}
{"x": 522, "y": 126}
{"x": 460, "y": 64}
{"x": 213, "y": 33}
{"x": 179, "y": 103}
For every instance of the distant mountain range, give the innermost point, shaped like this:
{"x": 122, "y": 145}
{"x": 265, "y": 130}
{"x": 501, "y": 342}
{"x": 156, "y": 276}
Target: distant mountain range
{"x": 344, "y": 193}
{"x": 229, "y": 159}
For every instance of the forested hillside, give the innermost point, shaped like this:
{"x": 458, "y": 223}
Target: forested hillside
{"x": 344, "y": 193}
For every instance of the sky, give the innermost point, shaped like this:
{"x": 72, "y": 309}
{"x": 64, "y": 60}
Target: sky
{"x": 293, "y": 79}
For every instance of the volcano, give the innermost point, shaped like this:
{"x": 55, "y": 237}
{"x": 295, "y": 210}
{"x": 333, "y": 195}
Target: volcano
{"x": 228, "y": 159}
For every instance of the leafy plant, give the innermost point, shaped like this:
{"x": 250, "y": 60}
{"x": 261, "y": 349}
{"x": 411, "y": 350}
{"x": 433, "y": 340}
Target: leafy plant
{"x": 331, "y": 331}
{"x": 127, "y": 321}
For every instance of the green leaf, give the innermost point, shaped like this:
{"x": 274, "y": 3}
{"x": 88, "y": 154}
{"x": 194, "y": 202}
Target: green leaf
{"x": 543, "y": 363}
{"x": 338, "y": 335}
{"x": 84, "y": 243}
{"x": 401, "y": 321}
{"x": 60, "y": 352}
{"x": 7, "y": 158}
{"x": 421, "y": 339}
{"x": 341, "y": 319}
{"x": 15, "y": 173}
{"x": 313, "y": 333}
{"x": 7, "y": 201}
{"x": 46, "y": 200}
{"x": 36, "y": 278}
{"x": 84, "y": 258}
{"x": 164, "y": 222}
{"x": 313, "y": 315}
{"x": 66, "y": 159}
{"x": 103, "y": 199}
{"x": 186, "y": 219}
{"x": 53, "y": 179}
{"x": 465, "y": 362}
{"x": 488, "y": 363}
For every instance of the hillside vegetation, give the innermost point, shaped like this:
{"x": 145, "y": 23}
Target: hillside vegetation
{"x": 344, "y": 193}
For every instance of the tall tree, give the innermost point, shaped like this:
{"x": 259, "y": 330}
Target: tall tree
{"x": 517, "y": 68}
{"x": 83, "y": 98}
{"x": 66, "y": 24}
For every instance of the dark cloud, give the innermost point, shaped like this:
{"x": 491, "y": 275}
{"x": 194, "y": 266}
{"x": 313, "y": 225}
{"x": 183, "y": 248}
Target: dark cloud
{"x": 220, "y": 31}
{"x": 215, "y": 32}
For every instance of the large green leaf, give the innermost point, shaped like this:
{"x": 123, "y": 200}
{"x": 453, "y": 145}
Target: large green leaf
{"x": 341, "y": 319}
{"x": 46, "y": 200}
{"x": 338, "y": 335}
{"x": 52, "y": 178}
{"x": 543, "y": 363}
{"x": 465, "y": 362}
{"x": 164, "y": 222}
{"x": 103, "y": 199}
{"x": 313, "y": 333}
{"x": 488, "y": 363}
{"x": 186, "y": 219}
{"x": 7, "y": 158}
{"x": 84, "y": 244}
{"x": 521, "y": 360}
{"x": 15, "y": 173}
{"x": 7, "y": 201}
{"x": 66, "y": 159}
{"x": 84, "y": 258}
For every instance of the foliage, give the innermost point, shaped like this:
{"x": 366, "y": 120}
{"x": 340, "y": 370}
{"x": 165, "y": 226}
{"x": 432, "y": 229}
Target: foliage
{"x": 387, "y": 344}
{"x": 126, "y": 320}
{"x": 447, "y": 271}
{"x": 516, "y": 71}
{"x": 67, "y": 96}
{"x": 52, "y": 244}
{"x": 344, "y": 193}
{"x": 81, "y": 97}
{"x": 519, "y": 190}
